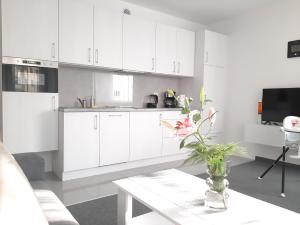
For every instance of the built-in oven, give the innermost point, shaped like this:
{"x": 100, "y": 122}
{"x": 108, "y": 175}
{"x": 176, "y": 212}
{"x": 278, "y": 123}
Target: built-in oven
{"x": 27, "y": 75}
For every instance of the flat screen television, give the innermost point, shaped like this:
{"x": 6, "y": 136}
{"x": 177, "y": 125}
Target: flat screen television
{"x": 277, "y": 103}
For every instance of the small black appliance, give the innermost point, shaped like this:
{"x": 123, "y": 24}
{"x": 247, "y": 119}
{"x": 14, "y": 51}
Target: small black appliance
{"x": 170, "y": 100}
{"x": 152, "y": 101}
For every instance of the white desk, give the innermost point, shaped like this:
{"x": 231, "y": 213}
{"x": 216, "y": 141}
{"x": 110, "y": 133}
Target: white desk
{"x": 270, "y": 135}
{"x": 175, "y": 198}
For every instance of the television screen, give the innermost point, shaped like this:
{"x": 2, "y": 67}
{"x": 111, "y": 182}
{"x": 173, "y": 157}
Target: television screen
{"x": 279, "y": 103}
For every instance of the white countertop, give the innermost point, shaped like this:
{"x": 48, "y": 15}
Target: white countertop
{"x": 116, "y": 109}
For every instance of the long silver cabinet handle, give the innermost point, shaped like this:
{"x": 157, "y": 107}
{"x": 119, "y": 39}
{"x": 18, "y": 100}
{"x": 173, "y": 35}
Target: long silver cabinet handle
{"x": 97, "y": 56}
{"x": 174, "y": 66}
{"x": 53, "y": 50}
{"x": 160, "y": 118}
{"x": 89, "y": 54}
{"x": 53, "y": 103}
{"x": 178, "y": 65}
{"x": 206, "y": 57}
{"x": 153, "y": 64}
{"x": 115, "y": 115}
{"x": 96, "y": 122}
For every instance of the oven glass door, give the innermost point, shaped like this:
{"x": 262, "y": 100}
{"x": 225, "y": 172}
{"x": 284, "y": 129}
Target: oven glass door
{"x": 22, "y": 78}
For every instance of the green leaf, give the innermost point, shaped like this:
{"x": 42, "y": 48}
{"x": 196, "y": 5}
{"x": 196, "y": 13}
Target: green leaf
{"x": 196, "y": 117}
{"x": 182, "y": 143}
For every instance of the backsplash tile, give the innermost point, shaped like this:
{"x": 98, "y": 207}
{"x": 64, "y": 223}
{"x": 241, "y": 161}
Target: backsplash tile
{"x": 111, "y": 88}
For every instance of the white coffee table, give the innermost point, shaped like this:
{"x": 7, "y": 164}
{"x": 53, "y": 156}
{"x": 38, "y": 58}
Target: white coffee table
{"x": 176, "y": 198}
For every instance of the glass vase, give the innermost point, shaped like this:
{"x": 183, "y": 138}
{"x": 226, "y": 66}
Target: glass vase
{"x": 216, "y": 196}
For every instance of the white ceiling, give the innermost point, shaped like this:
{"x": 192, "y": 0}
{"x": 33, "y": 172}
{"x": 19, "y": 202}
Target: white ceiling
{"x": 202, "y": 11}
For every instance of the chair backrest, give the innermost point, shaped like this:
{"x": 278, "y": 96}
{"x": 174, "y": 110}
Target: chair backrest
{"x": 291, "y": 128}
{"x": 291, "y": 124}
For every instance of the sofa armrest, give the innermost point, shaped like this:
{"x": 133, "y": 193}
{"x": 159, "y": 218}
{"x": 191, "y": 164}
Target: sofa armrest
{"x": 54, "y": 210}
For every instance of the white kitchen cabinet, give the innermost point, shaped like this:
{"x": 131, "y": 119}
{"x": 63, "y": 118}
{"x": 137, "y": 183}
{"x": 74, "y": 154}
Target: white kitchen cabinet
{"x": 108, "y": 22}
{"x": 166, "y": 49}
{"x": 170, "y": 142}
{"x": 175, "y": 51}
{"x": 215, "y": 84}
{"x": 145, "y": 135}
{"x": 114, "y": 138}
{"x": 215, "y": 76}
{"x": 185, "y": 52}
{"x": 30, "y": 29}
{"x": 215, "y": 49}
{"x": 138, "y": 44}
{"x": 30, "y": 121}
{"x": 80, "y": 140}
{"x": 76, "y": 32}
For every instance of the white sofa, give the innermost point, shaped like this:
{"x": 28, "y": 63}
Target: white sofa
{"x": 21, "y": 204}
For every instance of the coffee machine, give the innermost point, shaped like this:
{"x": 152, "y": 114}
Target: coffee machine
{"x": 152, "y": 101}
{"x": 170, "y": 99}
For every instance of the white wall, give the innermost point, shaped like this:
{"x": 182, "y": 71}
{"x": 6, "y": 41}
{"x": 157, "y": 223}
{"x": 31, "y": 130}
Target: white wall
{"x": 257, "y": 60}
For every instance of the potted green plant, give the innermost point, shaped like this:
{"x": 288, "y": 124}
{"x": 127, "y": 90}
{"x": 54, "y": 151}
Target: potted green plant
{"x": 203, "y": 150}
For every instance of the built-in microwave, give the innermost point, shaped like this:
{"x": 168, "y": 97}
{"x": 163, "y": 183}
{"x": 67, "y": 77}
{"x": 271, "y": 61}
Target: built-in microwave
{"x": 27, "y": 75}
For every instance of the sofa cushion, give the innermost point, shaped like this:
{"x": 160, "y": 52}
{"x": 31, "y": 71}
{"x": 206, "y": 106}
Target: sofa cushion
{"x": 55, "y": 212}
{"x": 32, "y": 165}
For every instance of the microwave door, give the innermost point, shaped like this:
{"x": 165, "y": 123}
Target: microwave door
{"x": 21, "y": 79}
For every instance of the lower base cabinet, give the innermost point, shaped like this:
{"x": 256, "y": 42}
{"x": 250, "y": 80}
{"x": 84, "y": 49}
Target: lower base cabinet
{"x": 114, "y": 138}
{"x": 93, "y": 139}
{"x": 81, "y": 140}
{"x": 30, "y": 121}
{"x": 145, "y": 135}
{"x": 171, "y": 143}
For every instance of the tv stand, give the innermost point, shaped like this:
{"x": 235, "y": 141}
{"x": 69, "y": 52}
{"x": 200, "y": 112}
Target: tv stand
{"x": 264, "y": 134}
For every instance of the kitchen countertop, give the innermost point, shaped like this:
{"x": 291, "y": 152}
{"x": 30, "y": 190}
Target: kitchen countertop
{"x": 115, "y": 109}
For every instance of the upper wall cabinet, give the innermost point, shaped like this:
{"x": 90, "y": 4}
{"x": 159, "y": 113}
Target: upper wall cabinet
{"x": 30, "y": 29}
{"x": 138, "y": 44}
{"x": 215, "y": 49}
{"x": 175, "y": 51}
{"x": 76, "y": 32}
{"x": 185, "y": 52}
{"x": 166, "y": 47}
{"x": 108, "y": 22}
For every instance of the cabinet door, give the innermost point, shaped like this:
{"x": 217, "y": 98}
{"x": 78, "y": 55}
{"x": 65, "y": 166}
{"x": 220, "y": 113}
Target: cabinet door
{"x": 108, "y": 22}
{"x": 145, "y": 135}
{"x": 81, "y": 140}
{"x": 215, "y": 87}
{"x": 138, "y": 44}
{"x": 76, "y": 32}
{"x": 30, "y": 121}
{"x": 215, "y": 49}
{"x": 114, "y": 138}
{"x": 171, "y": 143}
{"x": 185, "y": 52}
{"x": 30, "y": 29}
{"x": 166, "y": 49}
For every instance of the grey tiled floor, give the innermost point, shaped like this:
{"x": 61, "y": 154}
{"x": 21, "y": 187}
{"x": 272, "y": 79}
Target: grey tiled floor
{"x": 86, "y": 189}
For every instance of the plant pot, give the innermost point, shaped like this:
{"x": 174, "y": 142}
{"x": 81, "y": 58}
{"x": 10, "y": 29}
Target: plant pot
{"x": 216, "y": 196}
